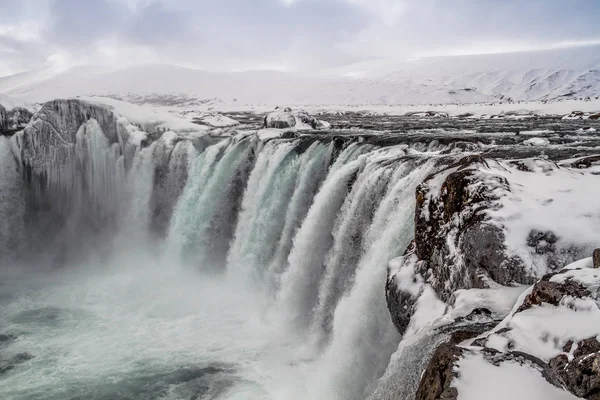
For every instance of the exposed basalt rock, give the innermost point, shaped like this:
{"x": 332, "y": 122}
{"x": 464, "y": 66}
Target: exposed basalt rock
{"x": 18, "y": 118}
{"x": 586, "y": 162}
{"x": 454, "y": 239}
{"x": 552, "y": 293}
{"x": 456, "y": 246}
{"x": 581, "y": 374}
{"x": 437, "y": 378}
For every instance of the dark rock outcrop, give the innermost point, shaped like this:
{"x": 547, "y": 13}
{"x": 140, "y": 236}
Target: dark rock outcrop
{"x": 596, "y": 258}
{"x": 552, "y": 293}
{"x": 437, "y": 377}
{"x": 459, "y": 247}
{"x": 456, "y": 245}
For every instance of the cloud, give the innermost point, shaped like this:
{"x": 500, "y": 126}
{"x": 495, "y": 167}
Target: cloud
{"x": 282, "y": 34}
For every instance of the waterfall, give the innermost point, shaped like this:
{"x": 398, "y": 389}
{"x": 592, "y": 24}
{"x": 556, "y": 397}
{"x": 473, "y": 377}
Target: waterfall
{"x": 12, "y": 206}
{"x": 263, "y": 210}
{"x": 300, "y": 282}
{"x": 319, "y": 234}
{"x": 308, "y": 224}
{"x": 343, "y": 257}
{"x": 311, "y": 173}
{"x": 206, "y": 214}
{"x": 363, "y": 336}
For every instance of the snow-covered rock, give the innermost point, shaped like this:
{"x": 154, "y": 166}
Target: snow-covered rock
{"x": 484, "y": 223}
{"x": 295, "y": 119}
{"x": 217, "y": 120}
{"x": 547, "y": 347}
{"x": 537, "y": 142}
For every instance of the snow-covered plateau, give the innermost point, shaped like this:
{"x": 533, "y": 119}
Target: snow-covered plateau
{"x": 378, "y": 232}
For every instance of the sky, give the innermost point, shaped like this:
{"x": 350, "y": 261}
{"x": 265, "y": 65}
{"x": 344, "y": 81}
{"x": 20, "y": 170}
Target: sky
{"x": 285, "y": 35}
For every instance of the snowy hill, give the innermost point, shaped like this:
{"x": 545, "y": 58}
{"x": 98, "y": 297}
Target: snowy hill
{"x": 571, "y": 73}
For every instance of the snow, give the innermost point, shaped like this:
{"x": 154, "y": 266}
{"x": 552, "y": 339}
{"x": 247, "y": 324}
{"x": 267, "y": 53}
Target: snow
{"x": 536, "y": 142}
{"x": 429, "y": 308}
{"x": 149, "y": 118}
{"x": 557, "y": 199}
{"x": 582, "y": 273}
{"x": 479, "y": 379}
{"x": 499, "y": 301}
{"x": 271, "y": 133}
{"x": 218, "y": 121}
{"x": 406, "y": 278}
{"x": 487, "y": 84}
{"x": 10, "y": 103}
{"x": 544, "y": 330}
{"x": 584, "y": 263}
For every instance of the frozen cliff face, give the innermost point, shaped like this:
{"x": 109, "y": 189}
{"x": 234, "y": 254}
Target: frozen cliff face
{"x": 85, "y": 163}
{"x": 483, "y": 223}
{"x": 49, "y": 141}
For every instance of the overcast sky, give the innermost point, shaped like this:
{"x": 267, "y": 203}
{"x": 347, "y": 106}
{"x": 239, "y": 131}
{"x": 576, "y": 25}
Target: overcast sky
{"x": 279, "y": 34}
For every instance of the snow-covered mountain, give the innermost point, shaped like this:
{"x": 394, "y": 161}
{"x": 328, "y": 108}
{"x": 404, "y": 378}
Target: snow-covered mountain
{"x": 570, "y": 73}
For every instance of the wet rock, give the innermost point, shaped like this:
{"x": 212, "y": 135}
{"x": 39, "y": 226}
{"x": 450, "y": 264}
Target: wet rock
{"x": 459, "y": 247}
{"x": 437, "y": 377}
{"x": 6, "y": 338}
{"x": 19, "y": 117}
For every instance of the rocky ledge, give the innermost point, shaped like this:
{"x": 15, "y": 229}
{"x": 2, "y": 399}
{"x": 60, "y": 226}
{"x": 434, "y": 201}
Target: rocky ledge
{"x": 547, "y": 347}
{"x": 485, "y": 230}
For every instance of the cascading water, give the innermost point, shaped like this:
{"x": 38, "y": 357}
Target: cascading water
{"x": 269, "y": 282}
{"x": 12, "y": 196}
{"x": 263, "y": 210}
{"x": 206, "y": 215}
{"x": 363, "y": 336}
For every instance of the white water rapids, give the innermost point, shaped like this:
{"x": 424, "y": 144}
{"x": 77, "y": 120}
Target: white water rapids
{"x": 268, "y": 282}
